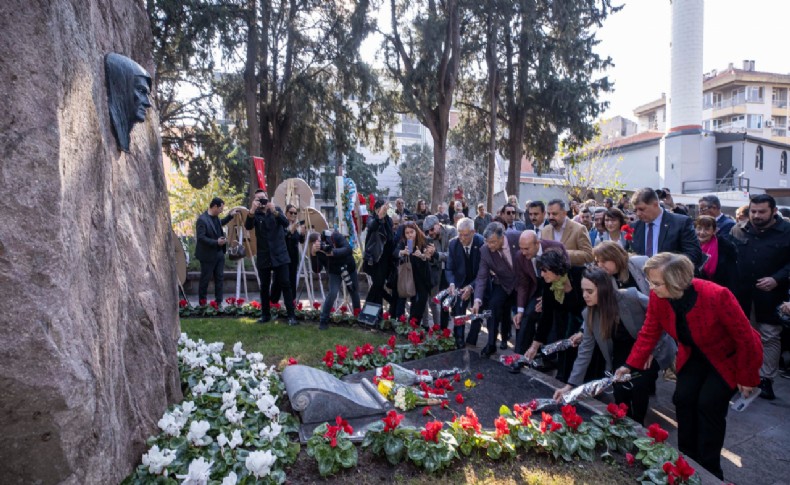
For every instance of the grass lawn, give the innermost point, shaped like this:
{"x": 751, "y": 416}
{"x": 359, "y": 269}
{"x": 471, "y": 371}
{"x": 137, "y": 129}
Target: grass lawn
{"x": 277, "y": 341}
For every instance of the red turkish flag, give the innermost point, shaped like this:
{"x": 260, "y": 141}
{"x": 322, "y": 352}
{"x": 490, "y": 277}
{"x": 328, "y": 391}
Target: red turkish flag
{"x": 260, "y": 170}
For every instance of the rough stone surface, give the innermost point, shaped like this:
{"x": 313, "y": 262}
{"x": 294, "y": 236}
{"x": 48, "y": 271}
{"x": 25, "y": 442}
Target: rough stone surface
{"x": 88, "y": 320}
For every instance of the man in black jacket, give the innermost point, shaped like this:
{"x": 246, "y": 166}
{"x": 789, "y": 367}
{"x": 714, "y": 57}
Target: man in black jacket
{"x": 210, "y": 248}
{"x": 272, "y": 254}
{"x": 659, "y": 231}
{"x": 763, "y": 245}
{"x": 294, "y": 236}
{"x": 337, "y": 257}
{"x": 379, "y": 244}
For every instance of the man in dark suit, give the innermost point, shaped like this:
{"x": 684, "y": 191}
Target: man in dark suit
{"x": 210, "y": 248}
{"x": 497, "y": 261}
{"x": 272, "y": 253}
{"x": 536, "y": 215}
{"x": 710, "y": 205}
{"x": 461, "y": 267}
{"x": 508, "y": 214}
{"x": 529, "y": 286}
{"x": 659, "y": 231}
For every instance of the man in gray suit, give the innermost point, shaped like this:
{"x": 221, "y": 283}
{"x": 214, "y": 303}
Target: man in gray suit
{"x": 210, "y": 247}
{"x": 498, "y": 262}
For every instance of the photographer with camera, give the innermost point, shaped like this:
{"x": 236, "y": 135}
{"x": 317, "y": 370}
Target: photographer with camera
{"x": 270, "y": 225}
{"x": 330, "y": 250}
{"x": 379, "y": 244}
{"x": 294, "y": 235}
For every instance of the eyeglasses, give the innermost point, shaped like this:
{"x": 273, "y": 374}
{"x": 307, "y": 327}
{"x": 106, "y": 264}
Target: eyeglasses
{"x": 292, "y": 213}
{"x": 654, "y": 285}
{"x": 510, "y": 213}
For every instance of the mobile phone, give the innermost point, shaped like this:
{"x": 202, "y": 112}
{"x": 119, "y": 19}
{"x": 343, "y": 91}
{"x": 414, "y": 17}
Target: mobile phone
{"x": 410, "y": 245}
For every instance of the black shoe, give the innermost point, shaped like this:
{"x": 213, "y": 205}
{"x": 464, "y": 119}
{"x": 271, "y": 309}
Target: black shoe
{"x": 767, "y": 389}
{"x": 503, "y": 345}
{"x": 488, "y": 351}
{"x": 323, "y": 326}
{"x": 264, "y": 319}
{"x": 292, "y": 321}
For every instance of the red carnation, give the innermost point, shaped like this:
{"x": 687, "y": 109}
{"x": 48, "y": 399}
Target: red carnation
{"x": 459, "y": 398}
{"x": 445, "y": 404}
{"x": 292, "y": 361}
{"x": 629, "y": 232}
{"x": 426, "y": 410}
{"x": 343, "y": 309}
{"x": 479, "y": 375}
{"x": 457, "y": 378}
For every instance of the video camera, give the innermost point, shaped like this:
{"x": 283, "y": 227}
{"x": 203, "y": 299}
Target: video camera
{"x": 326, "y": 241}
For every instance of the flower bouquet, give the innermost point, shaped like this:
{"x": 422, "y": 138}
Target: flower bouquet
{"x": 407, "y": 398}
{"x": 557, "y": 346}
{"x": 592, "y": 388}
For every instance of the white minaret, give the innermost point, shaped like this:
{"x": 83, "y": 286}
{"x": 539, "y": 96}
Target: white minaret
{"x": 683, "y": 146}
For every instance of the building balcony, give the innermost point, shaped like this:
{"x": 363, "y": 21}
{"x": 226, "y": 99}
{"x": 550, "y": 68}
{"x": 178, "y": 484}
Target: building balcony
{"x": 779, "y": 103}
{"x": 780, "y": 132}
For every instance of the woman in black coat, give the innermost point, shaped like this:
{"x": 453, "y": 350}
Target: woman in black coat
{"x": 562, "y": 307}
{"x": 413, "y": 247}
{"x": 720, "y": 266}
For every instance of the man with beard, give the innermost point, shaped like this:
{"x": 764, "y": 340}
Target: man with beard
{"x": 763, "y": 245}
{"x": 572, "y": 235}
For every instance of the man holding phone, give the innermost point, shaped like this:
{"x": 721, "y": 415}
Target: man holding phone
{"x": 210, "y": 248}
{"x": 272, "y": 254}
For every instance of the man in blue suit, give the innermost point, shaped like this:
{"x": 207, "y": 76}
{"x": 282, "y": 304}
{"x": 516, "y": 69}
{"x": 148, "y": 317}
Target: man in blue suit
{"x": 659, "y": 231}
{"x": 461, "y": 267}
{"x": 508, "y": 214}
{"x": 498, "y": 264}
{"x": 210, "y": 247}
{"x": 710, "y": 205}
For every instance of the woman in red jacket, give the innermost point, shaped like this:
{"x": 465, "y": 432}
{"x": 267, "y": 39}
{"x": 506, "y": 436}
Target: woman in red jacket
{"x": 718, "y": 350}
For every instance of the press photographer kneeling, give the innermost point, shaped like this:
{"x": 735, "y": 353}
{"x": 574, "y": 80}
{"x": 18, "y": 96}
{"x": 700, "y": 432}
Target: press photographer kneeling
{"x": 330, "y": 250}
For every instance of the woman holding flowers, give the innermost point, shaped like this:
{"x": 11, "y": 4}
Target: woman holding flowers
{"x": 612, "y": 321}
{"x": 614, "y": 220}
{"x": 718, "y": 351}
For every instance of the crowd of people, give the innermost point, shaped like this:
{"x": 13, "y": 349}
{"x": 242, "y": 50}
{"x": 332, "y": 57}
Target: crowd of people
{"x": 637, "y": 286}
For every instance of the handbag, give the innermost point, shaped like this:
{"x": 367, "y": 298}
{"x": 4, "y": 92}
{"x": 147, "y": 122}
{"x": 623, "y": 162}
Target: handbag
{"x": 406, "y": 288}
{"x": 236, "y": 252}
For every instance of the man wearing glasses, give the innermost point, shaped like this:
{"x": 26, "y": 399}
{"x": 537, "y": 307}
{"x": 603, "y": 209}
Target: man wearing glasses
{"x": 509, "y": 216}
{"x": 294, "y": 235}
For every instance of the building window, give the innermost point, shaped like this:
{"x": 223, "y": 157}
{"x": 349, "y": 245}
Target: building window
{"x": 738, "y": 121}
{"x": 656, "y": 164}
{"x": 706, "y": 125}
{"x": 717, "y": 125}
{"x": 779, "y": 97}
{"x": 410, "y": 125}
{"x": 754, "y": 94}
{"x": 758, "y": 158}
{"x": 707, "y": 100}
{"x": 783, "y": 163}
{"x": 754, "y": 122}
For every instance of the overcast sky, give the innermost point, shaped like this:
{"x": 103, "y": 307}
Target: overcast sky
{"x": 637, "y": 39}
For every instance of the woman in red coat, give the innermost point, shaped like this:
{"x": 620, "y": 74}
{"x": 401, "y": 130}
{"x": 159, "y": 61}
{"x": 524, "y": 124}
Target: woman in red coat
{"x": 718, "y": 350}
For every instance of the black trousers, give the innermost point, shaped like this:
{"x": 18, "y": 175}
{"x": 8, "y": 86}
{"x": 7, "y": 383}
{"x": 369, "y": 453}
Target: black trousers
{"x": 500, "y": 304}
{"x": 701, "y": 403}
{"x": 277, "y": 290}
{"x": 526, "y": 331}
{"x": 208, "y": 270}
{"x": 281, "y": 277}
{"x": 379, "y": 273}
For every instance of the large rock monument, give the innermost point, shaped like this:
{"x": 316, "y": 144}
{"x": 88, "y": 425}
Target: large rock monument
{"x": 88, "y": 313}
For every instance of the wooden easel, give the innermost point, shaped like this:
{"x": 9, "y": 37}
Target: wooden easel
{"x": 245, "y": 239}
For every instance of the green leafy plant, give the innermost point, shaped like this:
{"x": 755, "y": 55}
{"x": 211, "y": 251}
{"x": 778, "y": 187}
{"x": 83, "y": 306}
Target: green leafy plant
{"x": 435, "y": 450}
{"x": 387, "y": 438}
{"x": 652, "y": 450}
{"x": 617, "y": 430}
{"x": 332, "y": 448}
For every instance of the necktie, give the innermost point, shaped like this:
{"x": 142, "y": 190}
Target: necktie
{"x": 467, "y": 251}
{"x": 650, "y": 249}
{"x": 504, "y": 253}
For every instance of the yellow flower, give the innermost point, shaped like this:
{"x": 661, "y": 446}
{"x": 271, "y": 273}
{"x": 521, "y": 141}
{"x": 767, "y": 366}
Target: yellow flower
{"x": 385, "y": 387}
{"x": 469, "y": 384}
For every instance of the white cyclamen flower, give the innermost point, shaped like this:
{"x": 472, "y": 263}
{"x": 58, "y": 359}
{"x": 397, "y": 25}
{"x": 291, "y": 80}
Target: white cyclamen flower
{"x": 217, "y": 358}
{"x": 157, "y": 460}
{"x": 234, "y": 415}
{"x": 271, "y": 432}
{"x": 231, "y": 479}
{"x": 259, "y": 463}
{"x": 197, "y": 431}
{"x": 235, "y": 440}
{"x": 255, "y": 357}
{"x": 216, "y": 346}
{"x": 215, "y": 371}
{"x": 187, "y": 407}
{"x": 198, "y": 474}
{"x": 170, "y": 425}
{"x": 238, "y": 351}
{"x": 266, "y": 405}
{"x": 203, "y": 386}
{"x": 183, "y": 339}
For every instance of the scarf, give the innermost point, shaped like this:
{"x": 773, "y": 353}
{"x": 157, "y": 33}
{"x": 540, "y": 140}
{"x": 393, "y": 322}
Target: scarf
{"x": 711, "y": 248}
{"x": 681, "y": 307}
{"x": 558, "y": 288}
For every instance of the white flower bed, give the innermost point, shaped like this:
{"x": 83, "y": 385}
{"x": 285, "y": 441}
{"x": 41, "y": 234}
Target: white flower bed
{"x": 229, "y": 429}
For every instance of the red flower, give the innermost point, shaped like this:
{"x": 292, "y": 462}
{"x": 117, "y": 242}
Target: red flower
{"x": 316, "y": 305}
{"x": 329, "y": 359}
{"x": 683, "y": 469}
{"x": 275, "y": 306}
{"x": 618, "y": 412}
{"x": 547, "y": 423}
{"x": 459, "y": 398}
{"x": 414, "y": 338}
{"x": 183, "y": 303}
{"x": 629, "y": 232}
{"x": 240, "y": 301}
{"x": 343, "y": 309}
{"x": 658, "y": 434}
{"x": 457, "y": 378}
{"x": 256, "y": 305}
{"x": 332, "y": 310}
{"x": 214, "y": 304}
{"x": 458, "y": 321}
{"x": 501, "y": 426}
{"x": 292, "y": 361}
{"x": 331, "y": 433}
{"x": 470, "y": 421}
{"x": 386, "y": 373}
{"x": 435, "y": 300}
{"x": 342, "y": 352}
{"x": 384, "y": 351}
{"x": 442, "y": 383}
{"x": 445, "y": 404}
{"x": 446, "y": 333}
{"x": 426, "y": 410}
{"x": 629, "y": 458}
{"x": 523, "y": 414}
{"x": 402, "y": 319}
{"x": 385, "y": 316}
{"x": 230, "y": 300}
{"x": 202, "y": 302}
{"x": 431, "y": 431}
{"x": 436, "y": 328}
{"x": 299, "y": 306}
{"x": 391, "y": 342}
{"x": 413, "y": 323}
{"x": 572, "y": 420}
{"x": 357, "y": 311}
{"x": 392, "y": 420}
{"x": 479, "y": 376}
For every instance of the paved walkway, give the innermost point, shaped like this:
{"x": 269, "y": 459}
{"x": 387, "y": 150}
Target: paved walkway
{"x": 757, "y": 443}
